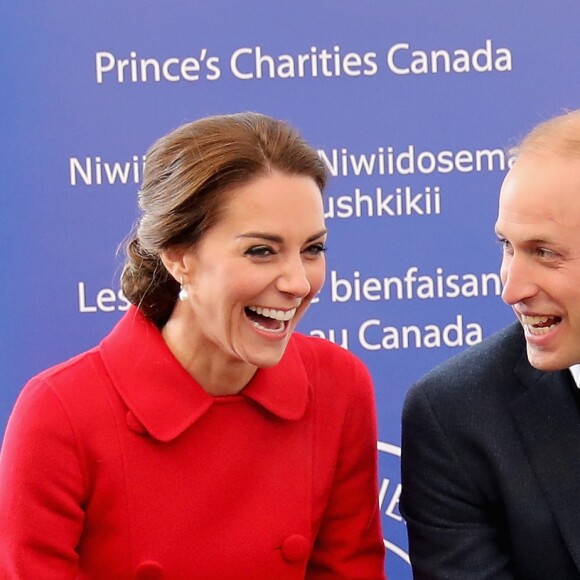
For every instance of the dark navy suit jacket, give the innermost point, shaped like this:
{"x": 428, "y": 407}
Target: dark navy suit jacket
{"x": 491, "y": 467}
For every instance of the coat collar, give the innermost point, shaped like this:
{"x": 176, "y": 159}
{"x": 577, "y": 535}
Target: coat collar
{"x": 547, "y": 417}
{"x": 166, "y": 400}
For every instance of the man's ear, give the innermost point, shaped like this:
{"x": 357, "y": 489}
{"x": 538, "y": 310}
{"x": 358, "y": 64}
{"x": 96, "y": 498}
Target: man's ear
{"x": 174, "y": 261}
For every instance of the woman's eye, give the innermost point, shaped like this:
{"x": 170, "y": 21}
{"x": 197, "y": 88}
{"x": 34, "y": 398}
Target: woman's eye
{"x": 259, "y": 251}
{"x": 316, "y": 249}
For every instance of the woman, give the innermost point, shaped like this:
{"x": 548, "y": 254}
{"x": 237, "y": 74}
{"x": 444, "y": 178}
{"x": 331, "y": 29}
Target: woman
{"x": 203, "y": 438}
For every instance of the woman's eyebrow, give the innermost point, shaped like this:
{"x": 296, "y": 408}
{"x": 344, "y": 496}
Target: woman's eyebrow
{"x": 279, "y": 239}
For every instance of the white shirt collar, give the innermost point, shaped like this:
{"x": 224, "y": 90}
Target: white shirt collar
{"x": 575, "y": 370}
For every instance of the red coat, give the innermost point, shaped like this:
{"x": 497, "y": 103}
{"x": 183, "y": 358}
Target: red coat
{"x": 116, "y": 464}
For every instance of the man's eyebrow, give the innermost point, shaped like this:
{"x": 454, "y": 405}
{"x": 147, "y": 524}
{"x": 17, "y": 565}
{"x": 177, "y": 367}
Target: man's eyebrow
{"x": 539, "y": 241}
{"x": 279, "y": 239}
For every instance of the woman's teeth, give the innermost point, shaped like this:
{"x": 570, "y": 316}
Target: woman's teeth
{"x": 281, "y": 315}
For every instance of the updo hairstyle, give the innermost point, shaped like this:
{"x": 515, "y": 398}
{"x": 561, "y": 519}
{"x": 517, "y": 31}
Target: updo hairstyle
{"x": 187, "y": 179}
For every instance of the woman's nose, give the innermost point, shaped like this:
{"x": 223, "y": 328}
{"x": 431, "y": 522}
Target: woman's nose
{"x": 294, "y": 279}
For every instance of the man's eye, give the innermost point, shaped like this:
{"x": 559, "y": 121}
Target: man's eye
{"x": 504, "y": 245}
{"x": 543, "y": 253}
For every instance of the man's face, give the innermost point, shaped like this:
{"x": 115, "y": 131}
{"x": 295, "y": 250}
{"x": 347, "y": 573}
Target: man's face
{"x": 538, "y": 226}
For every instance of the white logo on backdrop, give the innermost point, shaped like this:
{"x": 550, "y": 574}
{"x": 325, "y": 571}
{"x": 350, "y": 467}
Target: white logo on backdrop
{"x": 389, "y": 493}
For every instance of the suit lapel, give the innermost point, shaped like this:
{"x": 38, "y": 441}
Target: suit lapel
{"x": 548, "y": 420}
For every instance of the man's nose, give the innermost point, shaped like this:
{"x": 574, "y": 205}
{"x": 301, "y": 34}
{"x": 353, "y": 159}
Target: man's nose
{"x": 517, "y": 275}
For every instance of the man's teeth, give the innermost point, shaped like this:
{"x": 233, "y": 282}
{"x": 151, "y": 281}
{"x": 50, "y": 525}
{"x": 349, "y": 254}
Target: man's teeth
{"x": 282, "y": 315}
{"x": 532, "y": 322}
{"x": 534, "y": 319}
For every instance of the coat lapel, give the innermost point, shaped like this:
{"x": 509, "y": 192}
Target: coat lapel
{"x": 548, "y": 419}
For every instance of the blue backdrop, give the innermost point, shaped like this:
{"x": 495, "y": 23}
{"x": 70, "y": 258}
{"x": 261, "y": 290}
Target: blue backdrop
{"x": 411, "y": 106}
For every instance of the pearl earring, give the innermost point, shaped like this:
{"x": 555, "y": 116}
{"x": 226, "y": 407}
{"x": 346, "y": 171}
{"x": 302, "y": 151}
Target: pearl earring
{"x": 183, "y": 293}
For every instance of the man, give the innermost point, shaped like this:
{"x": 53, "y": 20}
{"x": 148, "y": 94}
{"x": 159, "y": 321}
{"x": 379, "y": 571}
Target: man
{"x": 491, "y": 438}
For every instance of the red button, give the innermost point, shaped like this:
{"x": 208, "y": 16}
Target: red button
{"x": 149, "y": 570}
{"x": 295, "y": 548}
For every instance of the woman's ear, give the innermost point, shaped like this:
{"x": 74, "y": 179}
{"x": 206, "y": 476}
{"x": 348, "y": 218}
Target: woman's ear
{"x": 174, "y": 261}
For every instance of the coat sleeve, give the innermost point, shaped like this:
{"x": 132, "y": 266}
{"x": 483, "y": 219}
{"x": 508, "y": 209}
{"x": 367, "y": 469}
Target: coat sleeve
{"x": 41, "y": 490}
{"x": 350, "y": 541}
{"x": 454, "y": 533}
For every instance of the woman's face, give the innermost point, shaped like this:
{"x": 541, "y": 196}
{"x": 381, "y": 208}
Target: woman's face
{"x": 253, "y": 275}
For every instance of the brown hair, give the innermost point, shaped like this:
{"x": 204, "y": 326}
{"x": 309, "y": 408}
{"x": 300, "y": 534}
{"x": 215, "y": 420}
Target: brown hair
{"x": 187, "y": 177}
{"x": 559, "y": 135}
